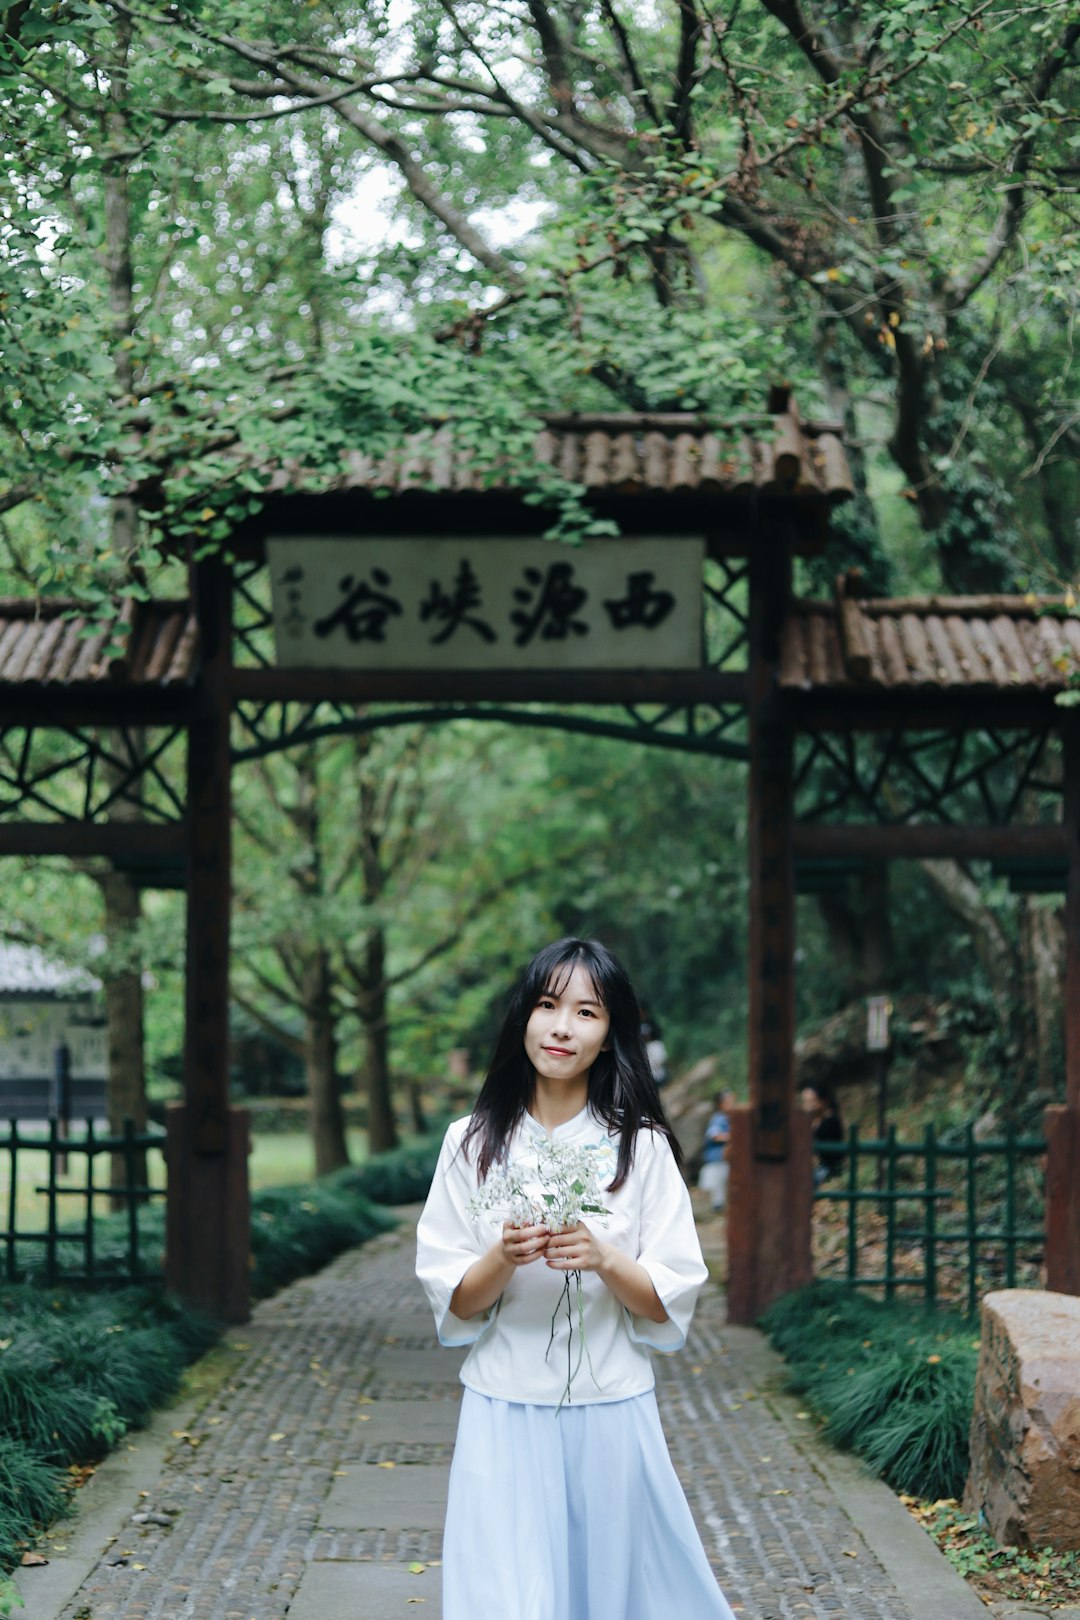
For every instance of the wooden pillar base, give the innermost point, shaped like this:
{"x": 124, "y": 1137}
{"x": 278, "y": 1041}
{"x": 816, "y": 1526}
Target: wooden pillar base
{"x": 769, "y": 1209}
{"x": 208, "y": 1216}
{"x": 1063, "y": 1200}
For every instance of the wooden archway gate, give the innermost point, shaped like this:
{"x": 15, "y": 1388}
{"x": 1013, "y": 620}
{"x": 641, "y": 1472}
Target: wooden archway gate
{"x": 190, "y": 667}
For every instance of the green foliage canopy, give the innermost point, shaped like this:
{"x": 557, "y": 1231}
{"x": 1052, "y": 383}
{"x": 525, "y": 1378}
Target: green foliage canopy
{"x": 883, "y": 193}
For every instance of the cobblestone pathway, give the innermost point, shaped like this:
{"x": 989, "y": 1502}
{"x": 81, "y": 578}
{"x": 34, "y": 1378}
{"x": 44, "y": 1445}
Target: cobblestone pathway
{"x": 338, "y": 1373}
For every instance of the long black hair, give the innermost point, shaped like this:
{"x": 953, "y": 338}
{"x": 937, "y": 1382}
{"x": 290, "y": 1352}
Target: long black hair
{"x": 622, "y": 1092}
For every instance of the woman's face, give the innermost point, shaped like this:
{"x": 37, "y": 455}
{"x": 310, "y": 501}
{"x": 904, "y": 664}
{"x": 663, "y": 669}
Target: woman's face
{"x": 567, "y": 1030}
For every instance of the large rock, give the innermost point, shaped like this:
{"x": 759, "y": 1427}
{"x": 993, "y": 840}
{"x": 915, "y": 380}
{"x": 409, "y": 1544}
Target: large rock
{"x": 1025, "y": 1432}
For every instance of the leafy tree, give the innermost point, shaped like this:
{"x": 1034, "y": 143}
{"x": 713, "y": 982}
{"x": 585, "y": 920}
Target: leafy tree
{"x": 368, "y": 865}
{"x": 878, "y": 196}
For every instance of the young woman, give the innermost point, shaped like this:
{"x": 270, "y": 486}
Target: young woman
{"x": 563, "y": 1503}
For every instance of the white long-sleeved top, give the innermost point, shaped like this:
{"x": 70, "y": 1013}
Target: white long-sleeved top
{"x": 650, "y": 1219}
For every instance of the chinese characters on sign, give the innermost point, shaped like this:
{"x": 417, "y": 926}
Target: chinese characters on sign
{"x": 487, "y": 604}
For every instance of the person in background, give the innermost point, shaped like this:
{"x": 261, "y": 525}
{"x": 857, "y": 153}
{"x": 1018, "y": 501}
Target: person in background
{"x": 714, "y": 1168}
{"x": 655, "y": 1050}
{"x": 820, "y": 1102}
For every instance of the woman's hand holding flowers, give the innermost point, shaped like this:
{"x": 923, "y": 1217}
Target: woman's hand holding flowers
{"x": 576, "y": 1249}
{"x": 521, "y": 1245}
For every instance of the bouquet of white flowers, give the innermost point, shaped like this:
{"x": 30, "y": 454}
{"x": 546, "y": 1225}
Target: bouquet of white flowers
{"x": 568, "y": 1179}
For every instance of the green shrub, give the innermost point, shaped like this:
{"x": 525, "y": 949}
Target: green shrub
{"x": 31, "y": 1493}
{"x": 894, "y": 1385}
{"x": 402, "y": 1176}
{"x": 77, "y": 1370}
{"x": 80, "y": 1366}
{"x": 296, "y": 1230}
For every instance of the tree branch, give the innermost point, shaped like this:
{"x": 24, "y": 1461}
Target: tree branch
{"x": 555, "y": 64}
{"x": 1007, "y": 224}
{"x": 640, "y": 89}
{"x": 546, "y": 128}
{"x": 16, "y": 495}
{"x": 233, "y": 117}
{"x": 292, "y": 1043}
{"x": 681, "y": 104}
{"x": 393, "y": 147}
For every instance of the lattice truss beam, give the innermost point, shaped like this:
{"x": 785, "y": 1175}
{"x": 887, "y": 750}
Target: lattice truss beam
{"x": 270, "y": 728}
{"x": 92, "y": 774}
{"x": 979, "y": 777}
{"x": 727, "y": 613}
{"x": 253, "y": 621}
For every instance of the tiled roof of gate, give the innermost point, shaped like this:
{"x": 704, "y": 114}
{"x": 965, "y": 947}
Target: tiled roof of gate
{"x": 40, "y": 645}
{"x": 25, "y": 970}
{"x": 936, "y": 642}
{"x": 649, "y": 454}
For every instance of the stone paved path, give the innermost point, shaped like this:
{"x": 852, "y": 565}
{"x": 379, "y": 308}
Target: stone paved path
{"x": 314, "y": 1477}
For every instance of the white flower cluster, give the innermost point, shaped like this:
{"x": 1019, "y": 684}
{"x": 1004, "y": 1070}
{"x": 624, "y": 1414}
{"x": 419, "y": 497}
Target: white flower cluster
{"x": 565, "y": 1185}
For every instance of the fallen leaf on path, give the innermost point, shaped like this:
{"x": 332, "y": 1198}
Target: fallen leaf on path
{"x": 417, "y": 1569}
{"x": 31, "y": 1560}
{"x": 384, "y": 1465}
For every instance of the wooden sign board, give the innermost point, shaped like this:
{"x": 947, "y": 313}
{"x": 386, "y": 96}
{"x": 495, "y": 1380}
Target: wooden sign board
{"x": 421, "y": 604}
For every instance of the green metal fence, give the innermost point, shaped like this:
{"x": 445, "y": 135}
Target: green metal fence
{"x": 977, "y": 1208}
{"x": 67, "y": 1243}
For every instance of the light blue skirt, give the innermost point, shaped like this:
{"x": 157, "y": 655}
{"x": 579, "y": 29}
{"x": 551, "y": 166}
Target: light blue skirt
{"x": 578, "y": 1516}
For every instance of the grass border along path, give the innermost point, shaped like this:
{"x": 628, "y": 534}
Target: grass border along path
{"x": 896, "y": 1385}
{"x": 80, "y": 1367}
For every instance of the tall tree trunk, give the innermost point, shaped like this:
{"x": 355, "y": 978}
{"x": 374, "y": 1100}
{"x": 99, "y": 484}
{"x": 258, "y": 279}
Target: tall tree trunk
{"x": 382, "y": 1126}
{"x": 371, "y": 983}
{"x": 118, "y": 262}
{"x": 992, "y": 945}
{"x": 320, "y": 1066}
{"x": 860, "y": 930}
{"x": 123, "y": 904}
{"x": 1042, "y": 935}
{"x": 1001, "y": 966}
{"x": 856, "y": 537}
{"x": 327, "y": 1116}
{"x": 124, "y": 1018}
{"x": 842, "y": 931}
{"x": 876, "y": 957}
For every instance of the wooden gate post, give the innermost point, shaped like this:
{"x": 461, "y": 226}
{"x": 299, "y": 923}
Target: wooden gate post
{"x": 1063, "y": 1123}
{"x": 208, "y": 1223}
{"x": 770, "y": 1190}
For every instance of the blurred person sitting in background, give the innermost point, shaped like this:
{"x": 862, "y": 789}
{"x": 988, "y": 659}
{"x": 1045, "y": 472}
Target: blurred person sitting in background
{"x": 715, "y": 1168}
